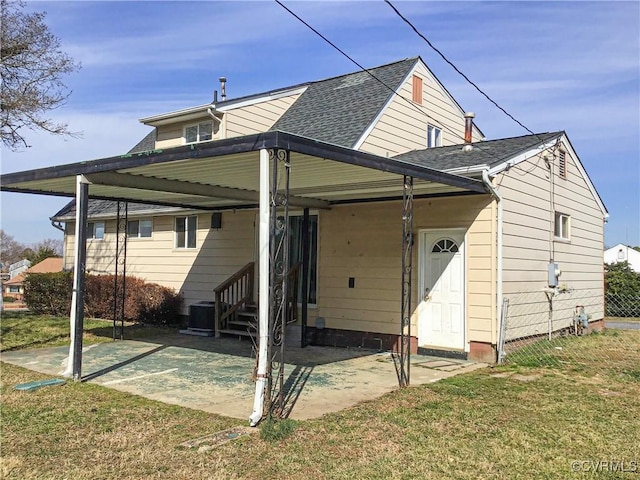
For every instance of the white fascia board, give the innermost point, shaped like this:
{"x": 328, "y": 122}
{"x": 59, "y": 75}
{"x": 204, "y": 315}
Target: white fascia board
{"x": 200, "y": 110}
{"x": 375, "y": 121}
{"x": 138, "y": 213}
{"x": 513, "y": 161}
{"x": 567, "y": 144}
{"x": 470, "y": 170}
{"x": 434, "y": 79}
{"x": 184, "y": 114}
{"x": 233, "y": 104}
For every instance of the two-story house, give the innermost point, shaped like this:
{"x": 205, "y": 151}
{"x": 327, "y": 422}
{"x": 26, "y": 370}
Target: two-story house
{"x": 392, "y": 193}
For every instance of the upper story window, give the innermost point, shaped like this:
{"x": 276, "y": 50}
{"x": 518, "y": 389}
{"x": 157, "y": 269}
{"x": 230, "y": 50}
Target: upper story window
{"x": 139, "y": 228}
{"x": 95, "y": 230}
{"x": 185, "y": 230}
{"x": 200, "y": 132}
{"x": 434, "y": 136}
{"x": 562, "y": 227}
{"x": 417, "y": 89}
{"x": 562, "y": 164}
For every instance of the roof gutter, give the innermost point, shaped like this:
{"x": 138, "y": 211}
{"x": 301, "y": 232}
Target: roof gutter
{"x": 499, "y": 280}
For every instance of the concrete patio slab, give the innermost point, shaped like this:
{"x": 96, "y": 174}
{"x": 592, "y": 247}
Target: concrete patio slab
{"x": 215, "y": 374}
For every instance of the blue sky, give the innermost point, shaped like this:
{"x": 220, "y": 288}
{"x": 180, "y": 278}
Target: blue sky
{"x": 572, "y": 66}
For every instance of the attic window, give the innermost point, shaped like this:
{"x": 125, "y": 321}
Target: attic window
{"x": 434, "y": 136}
{"x": 562, "y": 164}
{"x": 417, "y": 89}
{"x": 200, "y": 132}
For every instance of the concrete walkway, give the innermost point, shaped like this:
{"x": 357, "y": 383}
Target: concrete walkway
{"x": 215, "y": 375}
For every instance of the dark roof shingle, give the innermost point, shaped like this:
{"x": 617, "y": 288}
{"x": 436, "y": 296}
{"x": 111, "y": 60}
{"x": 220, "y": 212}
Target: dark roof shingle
{"x": 488, "y": 152}
{"x": 338, "y": 110}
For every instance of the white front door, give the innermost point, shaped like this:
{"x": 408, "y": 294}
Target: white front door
{"x": 441, "y": 294}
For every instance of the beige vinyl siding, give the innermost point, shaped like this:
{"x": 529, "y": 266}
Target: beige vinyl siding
{"x": 193, "y": 272}
{"x": 529, "y": 243}
{"x": 256, "y": 118}
{"x": 236, "y": 122}
{"x": 361, "y": 241}
{"x": 403, "y": 125}
{"x": 172, "y": 135}
{"x": 364, "y": 242}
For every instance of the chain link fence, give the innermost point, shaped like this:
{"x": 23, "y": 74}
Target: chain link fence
{"x": 579, "y": 329}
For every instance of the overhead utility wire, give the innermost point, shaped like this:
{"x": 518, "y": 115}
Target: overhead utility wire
{"x": 372, "y": 75}
{"x": 408, "y": 22}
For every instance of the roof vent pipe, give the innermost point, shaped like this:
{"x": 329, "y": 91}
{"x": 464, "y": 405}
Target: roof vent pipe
{"x": 215, "y": 96}
{"x": 223, "y": 91}
{"x": 468, "y": 127}
{"x": 468, "y": 131}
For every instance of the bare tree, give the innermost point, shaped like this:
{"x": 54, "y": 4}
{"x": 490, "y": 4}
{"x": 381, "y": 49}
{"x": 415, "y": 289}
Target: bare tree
{"x": 32, "y": 66}
{"x": 10, "y": 249}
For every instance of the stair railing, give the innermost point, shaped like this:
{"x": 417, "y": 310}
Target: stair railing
{"x": 232, "y": 294}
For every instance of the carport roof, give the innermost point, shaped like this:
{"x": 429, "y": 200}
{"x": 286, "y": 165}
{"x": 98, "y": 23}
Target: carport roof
{"x": 224, "y": 174}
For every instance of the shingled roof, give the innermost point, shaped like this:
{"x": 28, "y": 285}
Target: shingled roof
{"x": 338, "y": 110}
{"x": 488, "y": 152}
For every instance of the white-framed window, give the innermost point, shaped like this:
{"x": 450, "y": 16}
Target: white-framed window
{"x": 562, "y": 227}
{"x": 185, "y": 231}
{"x": 434, "y": 136}
{"x": 95, "y": 230}
{"x": 295, "y": 253}
{"x": 199, "y": 132}
{"x": 13, "y": 288}
{"x": 139, "y": 228}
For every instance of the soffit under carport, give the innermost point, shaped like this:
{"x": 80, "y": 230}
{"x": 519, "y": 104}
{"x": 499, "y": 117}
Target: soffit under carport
{"x": 320, "y": 174}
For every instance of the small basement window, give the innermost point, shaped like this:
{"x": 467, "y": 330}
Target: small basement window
{"x": 200, "y": 132}
{"x": 562, "y": 228}
{"x": 139, "y": 228}
{"x": 95, "y": 230}
{"x": 434, "y": 136}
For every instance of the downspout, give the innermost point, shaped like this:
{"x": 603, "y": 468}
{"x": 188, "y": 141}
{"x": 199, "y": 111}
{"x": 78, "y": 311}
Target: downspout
{"x": 58, "y": 225}
{"x": 498, "y": 197}
{"x": 219, "y": 120}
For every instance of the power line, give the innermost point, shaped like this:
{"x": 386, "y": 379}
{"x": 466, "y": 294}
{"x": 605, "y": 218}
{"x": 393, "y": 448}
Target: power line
{"x": 408, "y": 22}
{"x": 476, "y": 145}
{"x": 412, "y": 104}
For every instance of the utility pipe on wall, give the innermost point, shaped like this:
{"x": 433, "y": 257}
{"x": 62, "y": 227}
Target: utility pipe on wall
{"x": 494, "y": 192}
{"x": 263, "y": 291}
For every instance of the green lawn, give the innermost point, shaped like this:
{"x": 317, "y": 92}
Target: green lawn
{"x": 26, "y": 330}
{"x": 507, "y": 423}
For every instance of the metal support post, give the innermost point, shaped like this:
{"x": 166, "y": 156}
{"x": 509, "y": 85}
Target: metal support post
{"x": 305, "y": 277}
{"x": 80, "y": 267}
{"x": 407, "y": 262}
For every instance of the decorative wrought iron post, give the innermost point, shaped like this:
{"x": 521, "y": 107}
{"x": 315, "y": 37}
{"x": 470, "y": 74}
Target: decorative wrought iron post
{"x": 120, "y": 278}
{"x": 407, "y": 261}
{"x": 278, "y": 280}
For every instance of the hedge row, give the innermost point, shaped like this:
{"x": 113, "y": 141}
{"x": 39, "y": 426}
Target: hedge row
{"x": 50, "y": 293}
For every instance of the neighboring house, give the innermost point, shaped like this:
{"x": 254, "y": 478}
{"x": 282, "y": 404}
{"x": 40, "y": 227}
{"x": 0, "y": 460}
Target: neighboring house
{"x": 15, "y": 286}
{"x": 623, "y": 253}
{"x": 488, "y": 218}
{"x": 17, "y": 268}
